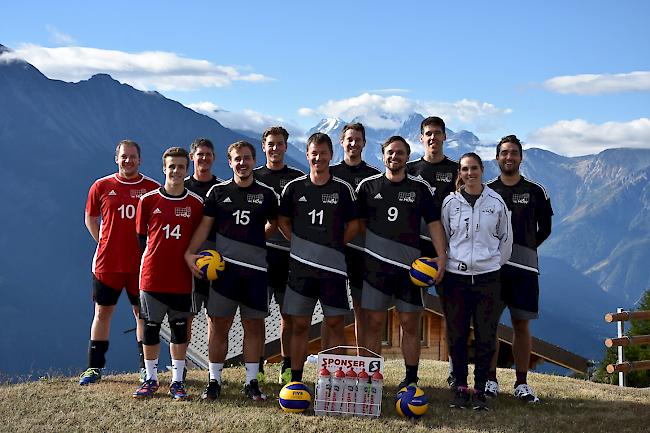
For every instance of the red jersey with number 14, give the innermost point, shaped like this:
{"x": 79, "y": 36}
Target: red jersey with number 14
{"x": 169, "y": 223}
{"x": 115, "y": 200}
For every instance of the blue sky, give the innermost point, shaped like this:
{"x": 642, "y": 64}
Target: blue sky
{"x": 490, "y": 67}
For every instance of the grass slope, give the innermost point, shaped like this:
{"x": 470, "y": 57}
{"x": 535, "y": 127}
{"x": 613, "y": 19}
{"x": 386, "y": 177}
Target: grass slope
{"x": 568, "y": 405}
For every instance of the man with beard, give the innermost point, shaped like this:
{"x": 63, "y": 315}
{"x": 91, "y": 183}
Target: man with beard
{"x": 532, "y": 213}
{"x": 391, "y": 206}
{"x": 243, "y": 212}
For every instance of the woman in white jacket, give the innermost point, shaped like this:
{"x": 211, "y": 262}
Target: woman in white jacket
{"x": 479, "y": 234}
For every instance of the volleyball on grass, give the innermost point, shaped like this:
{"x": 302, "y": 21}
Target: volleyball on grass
{"x": 295, "y": 397}
{"x": 423, "y": 271}
{"x": 210, "y": 264}
{"x": 411, "y": 402}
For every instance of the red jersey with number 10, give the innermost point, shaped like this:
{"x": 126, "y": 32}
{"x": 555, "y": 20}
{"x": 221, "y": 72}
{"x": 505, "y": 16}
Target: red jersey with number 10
{"x": 115, "y": 200}
{"x": 169, "y": 223}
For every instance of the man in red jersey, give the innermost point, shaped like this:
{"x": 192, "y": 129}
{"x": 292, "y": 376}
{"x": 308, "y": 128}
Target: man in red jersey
{"x": 165, "y": 221}
{"x": 114, "y": 199}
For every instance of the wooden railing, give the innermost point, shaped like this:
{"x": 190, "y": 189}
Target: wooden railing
{"x": 622, "y": 367}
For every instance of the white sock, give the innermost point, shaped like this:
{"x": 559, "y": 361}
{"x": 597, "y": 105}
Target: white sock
{"x": 215, "y": 371}
{"x": 252, "y": 368}
{"x": 178, "y": 366}
{"x": 151, "y": 365}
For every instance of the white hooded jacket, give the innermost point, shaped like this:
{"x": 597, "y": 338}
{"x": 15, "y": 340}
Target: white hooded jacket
{"x": 479, "y": 237}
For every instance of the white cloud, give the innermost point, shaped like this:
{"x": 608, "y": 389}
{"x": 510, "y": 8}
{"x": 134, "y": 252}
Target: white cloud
{"x": 579, "y": 137}
{"x": 389, "y": 112}
{"x": 248, "y": 120}
{"x": 59, "y": 38}
{"x": 595, "y": 84}
{"x": 145, "y": 70}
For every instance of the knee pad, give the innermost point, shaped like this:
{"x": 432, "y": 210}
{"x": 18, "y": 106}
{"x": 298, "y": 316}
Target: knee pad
{"x": 178, "y": 329}
{"x": 151, "y": 333}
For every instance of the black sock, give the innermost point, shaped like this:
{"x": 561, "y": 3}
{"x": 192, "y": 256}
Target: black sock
{"x": 286, "y": 362}
{"x": 261, "y": 364}
{"x": 521, "y": 377}
{"x": 412, "y": 373}
{"x": 141, "y": 354}
{"x": 296, "y": 375}
{"x": 492, "y": 375}
{"x": 97, "y": 353}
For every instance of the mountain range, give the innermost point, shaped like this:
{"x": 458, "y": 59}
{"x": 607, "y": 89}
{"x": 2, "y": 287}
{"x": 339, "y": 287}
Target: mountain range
{"x": 59, "y": 137}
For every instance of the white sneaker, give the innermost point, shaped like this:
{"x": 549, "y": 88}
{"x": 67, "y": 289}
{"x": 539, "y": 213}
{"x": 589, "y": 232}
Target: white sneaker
{"x": 525, "y": 393}
{"x": 491, "y": 389}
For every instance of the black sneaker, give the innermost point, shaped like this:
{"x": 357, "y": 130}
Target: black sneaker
{"x": 451, "y": 381}
{"x": 212, "y": 391}
{"x": 252, "y": 391}
{"x": 479, "y": 400}
{"x": 406, "y": 382}
{"x": 462, "y": 399}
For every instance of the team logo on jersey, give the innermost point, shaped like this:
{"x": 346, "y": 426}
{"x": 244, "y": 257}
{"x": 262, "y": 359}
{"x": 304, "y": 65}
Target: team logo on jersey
{"x": 408, "y": 197}
{"x": 137, "y": 193}
{"x": 489, "y": 210}
{"x": 112, "y": 192}
{"x": 255, "y": 198}
{"x": 444, "y": 177}
{"x": 331, "y": 198}
{"x": 185, "y": 212}
{"x": 521, "y": 198}
{"x": 378, "y": 196}
{"x": 227, "y": 200}
{"x": 156, "y": 211}
{"x": 302, "y": 198}
{"x": 357, "y": 180}
{"x": 283, "y": 183}
{"x": 462, "y": 266}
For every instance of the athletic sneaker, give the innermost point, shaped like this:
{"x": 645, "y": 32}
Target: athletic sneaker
{"x": 451, "y": 381}
{"x": 146, "y": 389}
{"x": 479, "y": 400}
{"x": 525, "y": 393}
{"x": 177, "y": 391}
{"x": 285, "y": 376}
{"x": 405, "y": 382}
{"x": 91, "y": 375}
{"x": 212, "y": 391}
{"x": 491, "y": 389}
{"x": 462, "y": 399}
{"x": 261, "y": 377}
{"x": 252, "y": 391}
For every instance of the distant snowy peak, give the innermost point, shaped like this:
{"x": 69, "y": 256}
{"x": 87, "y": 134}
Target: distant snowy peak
{"x": 328, "y": 125}
{"x": 4, "y": 49}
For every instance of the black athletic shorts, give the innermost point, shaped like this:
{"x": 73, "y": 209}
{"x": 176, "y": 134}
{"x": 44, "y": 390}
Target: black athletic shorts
{"x": 520, "y": 292}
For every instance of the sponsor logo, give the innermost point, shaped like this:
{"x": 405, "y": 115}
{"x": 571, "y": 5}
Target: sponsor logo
{"x": 255, "y": 198}
{"x": 137, "y": 193}
{"x": 357, "y": 180}
{"x": 112, "y": 192}
{"x": 378, "y": 196}
{"x": 156, "y": 211}
{"x": 184, "y": 212}
{"x": 462, "y": 266}
{"x": 521, "y": 198}
{"x": 408, "y": 197}
{"x": 489, "y": 210}
{"x": 283, "y": 183}
{"x": 330, "y": 198}
{"x": 302, "y": 198}
{"x": 444, "y": 177}
{"x": 227, "y": 200}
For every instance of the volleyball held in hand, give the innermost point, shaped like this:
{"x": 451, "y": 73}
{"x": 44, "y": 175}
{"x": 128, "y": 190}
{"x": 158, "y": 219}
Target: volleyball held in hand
{"x": 295, "y": 397}
{"x": 423, "y": 272}
{"x": 210, "y": 264}
{"x": 411, "y": 402}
